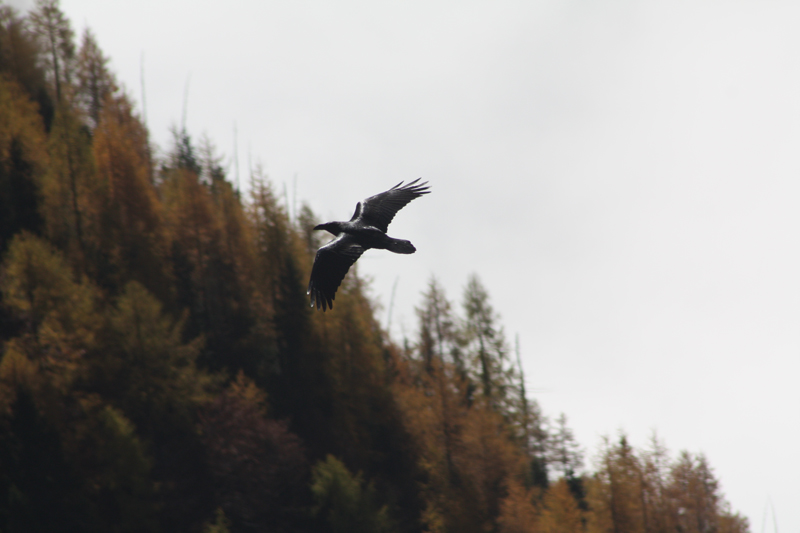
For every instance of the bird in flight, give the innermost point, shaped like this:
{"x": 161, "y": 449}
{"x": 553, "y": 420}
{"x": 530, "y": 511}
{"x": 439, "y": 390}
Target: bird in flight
{"x": 366, "y": 229}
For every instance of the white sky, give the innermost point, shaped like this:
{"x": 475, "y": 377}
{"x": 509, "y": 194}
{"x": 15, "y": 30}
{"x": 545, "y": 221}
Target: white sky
{"x": 622, "y": 175}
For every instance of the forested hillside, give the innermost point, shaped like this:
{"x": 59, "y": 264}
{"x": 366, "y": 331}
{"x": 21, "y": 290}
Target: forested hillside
{"x": 162, "y": 370}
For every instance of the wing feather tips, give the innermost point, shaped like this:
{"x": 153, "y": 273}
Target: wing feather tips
{"x": 415, "y": 189}
{"x": 320, "y": 299}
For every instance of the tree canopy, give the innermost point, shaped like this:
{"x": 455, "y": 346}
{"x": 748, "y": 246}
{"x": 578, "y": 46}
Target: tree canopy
{"x": 160, "y": 369}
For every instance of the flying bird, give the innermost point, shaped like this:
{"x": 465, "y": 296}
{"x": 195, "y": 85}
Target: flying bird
{"x": 366, "y": 229}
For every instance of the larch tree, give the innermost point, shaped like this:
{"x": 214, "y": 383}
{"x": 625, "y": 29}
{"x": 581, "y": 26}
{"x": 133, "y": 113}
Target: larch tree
{"x": 444, "y": 372}
{"x": 657, "y": 509}
{"x": 132, "y": 243}
{"x": 560, "y": 511}
{"x": 694, "y": 494}
{"x": 71, "y": 190}
{"x": 60, "y": 314}
{"x": 614, "y": 493}
{"x": 518, "y": 514}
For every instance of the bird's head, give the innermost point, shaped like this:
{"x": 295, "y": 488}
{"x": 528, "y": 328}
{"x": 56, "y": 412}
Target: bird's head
{"x": 331, "y": 227}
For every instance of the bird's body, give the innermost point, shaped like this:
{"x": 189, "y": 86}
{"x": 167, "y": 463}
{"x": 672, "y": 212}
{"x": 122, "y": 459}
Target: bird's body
{"x": 366, "y": 229}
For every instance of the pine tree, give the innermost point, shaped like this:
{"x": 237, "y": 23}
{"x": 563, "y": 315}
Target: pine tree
{"x": 144, "y": 368}
{"x": 38, "y": 487}
{"x": 115, "y": 467}
{"x": 55, "y": 35}
{"x": 565, "y": 454}
{"x": 23, "y": 159}
{"x": 486, "y": 349}
{"x": 344, "y": 502}
{"x": 19, "y": 53}
{"x": 95, "y": 84}
{"x": 528, "y": 425}
{"x": 438, "y": 329}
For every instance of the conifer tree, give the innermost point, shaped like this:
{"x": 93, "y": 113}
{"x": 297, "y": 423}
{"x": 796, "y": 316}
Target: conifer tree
{"x": 145, "y": 369}
{"x": 528, "y": 425}
{"x": 259, "y": 468}
{"x": 560, "y": 511}
{"x": 115, "y": 466}
{"x": 95, "y": 83}
{"x": 344, "y": 503}
{"x": 487, "y": 349}
{"x": 439, "y": 336}
{"x": 55, "y": 35}
{"x": 615, "y": 495}
{"x": 23, "y": 159}
{"x": 518, "y": 514}
{"x": 565, "y": 454}
{"x": 130, "y": 298}
{"x": 19, "y": 53}
{"x": 60, "y": 314}
{"x": 70, "y": 189}
{"x": 39, "y": 491}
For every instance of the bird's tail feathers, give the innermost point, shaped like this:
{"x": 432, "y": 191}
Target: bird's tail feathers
{"x": 400, "y": 246}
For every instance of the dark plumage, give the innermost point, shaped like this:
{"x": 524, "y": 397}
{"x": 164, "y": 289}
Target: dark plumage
{"x": 366, "y": 229}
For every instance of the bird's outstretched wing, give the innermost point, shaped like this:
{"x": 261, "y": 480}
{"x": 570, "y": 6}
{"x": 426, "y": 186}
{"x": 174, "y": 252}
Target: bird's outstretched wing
{"x": 330, "y": 266}
{"x": 379, "y": 210}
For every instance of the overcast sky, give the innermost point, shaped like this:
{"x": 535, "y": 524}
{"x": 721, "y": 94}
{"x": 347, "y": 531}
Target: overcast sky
{"x": 624, "y": 177}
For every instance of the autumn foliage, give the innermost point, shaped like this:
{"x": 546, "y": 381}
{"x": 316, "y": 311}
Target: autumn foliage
{"x": 161, "y": 370}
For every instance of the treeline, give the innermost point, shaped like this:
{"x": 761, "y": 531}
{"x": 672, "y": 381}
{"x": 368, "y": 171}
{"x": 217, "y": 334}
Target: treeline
{"x": 162, "y": 370}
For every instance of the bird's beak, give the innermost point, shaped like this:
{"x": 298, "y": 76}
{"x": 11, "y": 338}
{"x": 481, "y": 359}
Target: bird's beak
{"x": 319, "y": 226}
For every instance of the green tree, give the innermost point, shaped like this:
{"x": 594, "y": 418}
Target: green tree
{"x": 565, "y": 455}
{"x": 528, "y": 425}
{"x": 55, "y": 35}
{"x": 143, "y": 368}
{"x": 19, "y": 53}
{"x": 23, "y": 159}
{"x": 438, "y": 331}
{"x": 115, "y": 467}
{"x": 487, "y": 349}
{"x": 95, "y": 84}
{"x": 39, "y": 490}
{"x": 344, "y": 502}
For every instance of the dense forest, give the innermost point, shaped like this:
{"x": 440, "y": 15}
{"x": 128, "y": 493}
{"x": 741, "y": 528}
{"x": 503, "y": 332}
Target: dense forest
{"x": 161, "y": 369}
